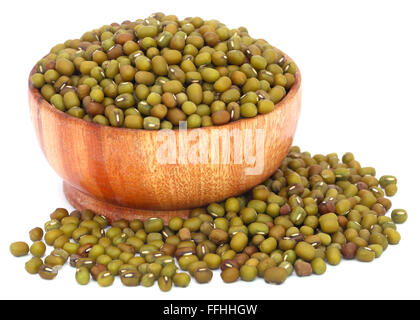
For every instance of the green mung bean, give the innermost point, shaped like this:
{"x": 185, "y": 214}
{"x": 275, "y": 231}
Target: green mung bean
{"x": 19, "y": 249}
{"x": 181, "y": 279}
{"x": 130, "y": 278}
{"x": 230, "y": 275}
{"x": 47, "y": 272}
{"x": 36, "y": 234}
{"x": 33, "y": 265}
{"x": 275, "y": 275}
{"x": 37, "y": 249}
{"x": 82, "y": 276}
{"x": 399, "y": 216}
{"x": 105, "y": 279}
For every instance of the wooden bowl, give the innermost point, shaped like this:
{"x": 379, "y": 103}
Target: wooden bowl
{"x": 115, "y": 172}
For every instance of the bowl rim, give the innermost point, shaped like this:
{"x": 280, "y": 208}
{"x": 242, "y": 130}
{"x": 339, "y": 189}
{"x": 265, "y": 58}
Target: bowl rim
{"x": 43, "y": 103}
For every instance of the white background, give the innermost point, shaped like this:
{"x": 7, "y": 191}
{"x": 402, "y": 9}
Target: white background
{"x": 360, "y": 62}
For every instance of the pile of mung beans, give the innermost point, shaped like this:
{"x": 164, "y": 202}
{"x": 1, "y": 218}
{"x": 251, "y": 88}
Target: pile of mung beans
{"x": 313, "y": 212}
{"x": 154, "y": 73}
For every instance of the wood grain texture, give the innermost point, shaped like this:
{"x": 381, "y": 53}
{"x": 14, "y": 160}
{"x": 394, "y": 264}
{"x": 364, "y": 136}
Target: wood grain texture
{"x": 80, "y": 201}
{"x": 118, "y": 167}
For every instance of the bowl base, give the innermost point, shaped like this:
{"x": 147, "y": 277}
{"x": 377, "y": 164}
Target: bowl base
{"x": 82, "y": 201}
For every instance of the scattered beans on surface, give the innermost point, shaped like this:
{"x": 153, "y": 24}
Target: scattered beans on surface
{"x": 314, "y": 211}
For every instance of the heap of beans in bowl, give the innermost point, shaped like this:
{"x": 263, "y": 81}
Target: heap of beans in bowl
{"x": 154, "y": 73}
{"x": 311, "y": 214}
